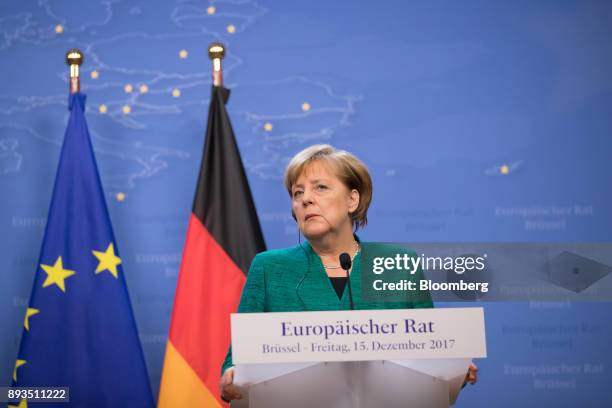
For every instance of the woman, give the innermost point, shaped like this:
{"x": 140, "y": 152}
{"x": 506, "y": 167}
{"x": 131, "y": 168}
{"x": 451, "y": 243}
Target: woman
{"x": 330, "y": 192}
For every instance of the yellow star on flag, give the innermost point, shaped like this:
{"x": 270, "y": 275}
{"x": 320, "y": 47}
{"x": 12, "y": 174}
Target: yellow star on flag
{"x": 30, "y": 312}
{"x": 22, "y": 404}
{"x": 18, "y": 364}
{"x": 56, "y": 274}
{"x": 108, "y": 260}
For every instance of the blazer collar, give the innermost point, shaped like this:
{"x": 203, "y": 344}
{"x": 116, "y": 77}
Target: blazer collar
{"x": 315, "y": 289}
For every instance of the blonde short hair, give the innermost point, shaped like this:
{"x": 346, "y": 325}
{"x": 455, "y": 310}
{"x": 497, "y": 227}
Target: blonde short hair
{"x": 348, "y": 168}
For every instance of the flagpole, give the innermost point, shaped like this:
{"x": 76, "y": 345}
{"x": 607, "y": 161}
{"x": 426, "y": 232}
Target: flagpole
{"x": 216, "y": 52}
{"x": 74, "y": 59}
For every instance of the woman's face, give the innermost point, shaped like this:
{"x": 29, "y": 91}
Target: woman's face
{"x": 321, "y": 202}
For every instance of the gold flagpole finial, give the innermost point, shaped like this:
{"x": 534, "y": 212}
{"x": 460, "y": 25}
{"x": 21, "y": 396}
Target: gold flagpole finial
{"x": 216, "y": 52}
{"x": 74, "y": 58}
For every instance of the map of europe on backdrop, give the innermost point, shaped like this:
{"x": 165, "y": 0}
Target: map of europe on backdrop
{"x": 479, "y": 122}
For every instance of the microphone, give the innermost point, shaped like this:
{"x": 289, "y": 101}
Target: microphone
{"x": 345, "y": 263}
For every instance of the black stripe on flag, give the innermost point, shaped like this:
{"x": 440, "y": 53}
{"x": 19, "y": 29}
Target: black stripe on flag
{"x": 223, "y": 200}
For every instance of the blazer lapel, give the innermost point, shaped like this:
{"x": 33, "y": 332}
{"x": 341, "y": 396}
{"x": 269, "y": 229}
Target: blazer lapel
{"x": 314, "y": 288}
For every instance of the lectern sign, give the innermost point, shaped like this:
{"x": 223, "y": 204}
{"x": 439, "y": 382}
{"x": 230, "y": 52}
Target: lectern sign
{"x": 358, "y": 335}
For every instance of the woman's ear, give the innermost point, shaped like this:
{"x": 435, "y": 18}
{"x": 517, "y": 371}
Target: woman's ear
{"x": 354, "y": 198}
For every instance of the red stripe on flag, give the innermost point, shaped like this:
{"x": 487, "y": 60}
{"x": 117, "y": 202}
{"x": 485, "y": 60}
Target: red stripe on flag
{"x": 208, "y": 290}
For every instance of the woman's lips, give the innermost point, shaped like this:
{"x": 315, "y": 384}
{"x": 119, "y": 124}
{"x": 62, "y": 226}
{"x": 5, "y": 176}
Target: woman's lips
{"x": 309, "y": 216}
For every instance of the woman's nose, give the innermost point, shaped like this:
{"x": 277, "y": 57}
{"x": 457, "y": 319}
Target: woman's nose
{"x": 306, "y": 197}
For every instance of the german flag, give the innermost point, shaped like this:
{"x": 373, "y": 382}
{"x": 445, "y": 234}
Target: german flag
{"x": 222, "y": 238}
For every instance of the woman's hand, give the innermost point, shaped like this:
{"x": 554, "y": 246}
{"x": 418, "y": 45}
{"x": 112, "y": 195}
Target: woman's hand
{"x": 228, "y": 390}
{"x": 472, "y": 374}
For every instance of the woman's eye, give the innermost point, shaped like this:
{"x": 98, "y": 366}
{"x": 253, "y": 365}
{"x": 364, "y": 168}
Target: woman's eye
{"x": 297, "y": 193}
{"x": 321, "y": 187}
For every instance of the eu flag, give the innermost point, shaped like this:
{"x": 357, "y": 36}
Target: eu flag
{"x": 79, "y": 329}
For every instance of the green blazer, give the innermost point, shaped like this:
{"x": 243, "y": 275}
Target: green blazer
{"x": 294, "y": 280}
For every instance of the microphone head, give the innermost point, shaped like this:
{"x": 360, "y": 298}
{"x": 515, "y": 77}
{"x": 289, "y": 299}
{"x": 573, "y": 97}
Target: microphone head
{"x": 345, "y": 261}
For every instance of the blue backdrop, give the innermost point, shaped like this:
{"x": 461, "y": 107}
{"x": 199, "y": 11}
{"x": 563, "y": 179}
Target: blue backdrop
{"x": 479, "y": 120}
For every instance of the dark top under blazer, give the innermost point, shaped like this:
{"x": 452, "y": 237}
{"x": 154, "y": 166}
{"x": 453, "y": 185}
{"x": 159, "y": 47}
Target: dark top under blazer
{"x": 294, "y": 280}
